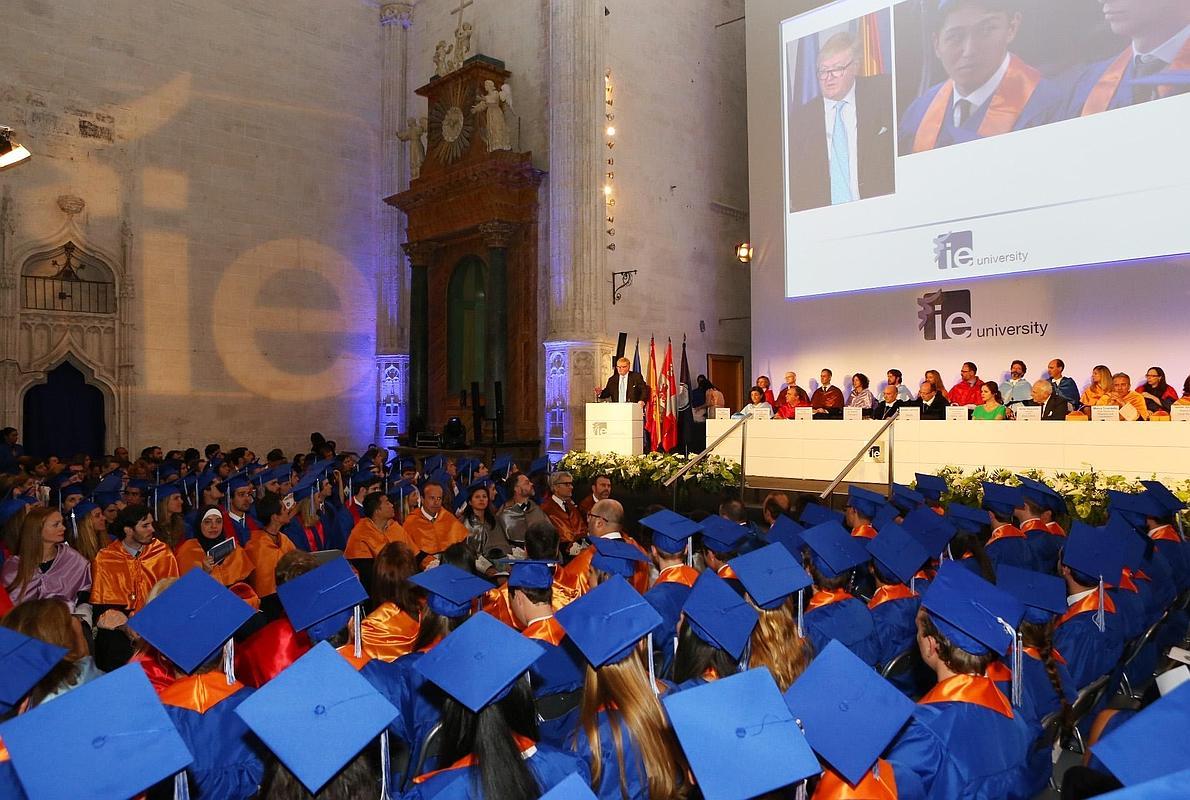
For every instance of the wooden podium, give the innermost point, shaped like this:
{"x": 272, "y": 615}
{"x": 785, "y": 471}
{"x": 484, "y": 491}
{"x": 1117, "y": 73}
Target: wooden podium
{"x": 615, "y": 428}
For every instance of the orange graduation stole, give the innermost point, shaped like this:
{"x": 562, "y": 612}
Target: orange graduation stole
{"x": 895, "y": 591}
{"x": 1088, "y": 603}
{"x": 1014, "y": 91}
{"x": 824, "y": 597}
{"x": 525, "y": 745}
{"x": 879, "y": 783}
{"x": 1102, "y": 93}
{"x": 978, "y": 690}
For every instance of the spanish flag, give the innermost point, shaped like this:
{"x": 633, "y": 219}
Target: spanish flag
{"x": 873, "y": 50}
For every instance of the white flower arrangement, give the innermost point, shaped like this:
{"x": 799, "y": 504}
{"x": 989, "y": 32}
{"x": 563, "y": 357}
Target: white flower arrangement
{"x": 712, "y": 474}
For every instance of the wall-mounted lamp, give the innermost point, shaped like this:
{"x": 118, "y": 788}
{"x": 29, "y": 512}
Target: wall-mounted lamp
{"x": 11, "y": 153}
{"x": 743, "y": 252}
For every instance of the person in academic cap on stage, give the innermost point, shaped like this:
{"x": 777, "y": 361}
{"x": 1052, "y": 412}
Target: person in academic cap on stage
{"x": 641, "y": 759}
{"x": 191, "y": 623}
{"x": 716, "y": 626}
{"x": 897, "y": 557}
{"x": 1008, "y": 544}
{"x": 850, "y": 716}
{"x": 432, "y": 528}
{"x": 194, "y": 553}
{"x": 989, "y": 89}
{"x": 833, "y": 612}
{"x": 1090, "y": 634}
{"x": 964, "y": 739}
{"x": 491, "y": 748}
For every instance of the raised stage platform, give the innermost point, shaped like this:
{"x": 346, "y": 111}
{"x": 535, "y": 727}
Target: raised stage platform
{"x": 806, "y": 454}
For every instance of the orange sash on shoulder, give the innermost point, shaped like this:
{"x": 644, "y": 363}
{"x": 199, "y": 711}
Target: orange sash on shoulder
{"x": 1166, "y": 533}
{"x": 864, "y": 532}
{"x": 896, "y": 591}
{"x": 680, "y": 574}
{"x": 824, "y": 597}
{"x": 975, "y": 689}
{"x": 1014, "y": 91}
{"x": 1088, "y": 603}
{"x": 199, "y": 693}
{"x": 879, "y": 783}
{"x": 1102, "y": 93}
{"x": 525, "y": 745}
{"x": 546, "y": 630}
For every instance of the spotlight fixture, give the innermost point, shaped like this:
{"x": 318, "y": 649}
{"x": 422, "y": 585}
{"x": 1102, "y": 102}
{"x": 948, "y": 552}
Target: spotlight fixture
{"x": 11, "y": 153}
{"x": 743, "y": 252}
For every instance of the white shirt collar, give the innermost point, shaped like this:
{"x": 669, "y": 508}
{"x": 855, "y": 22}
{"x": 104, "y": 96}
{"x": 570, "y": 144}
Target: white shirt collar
{"x": 983, "y": 93}
{"x": 1074, "y": 598}
{"x": 848, "y": 98}
{"x": 561, "y": 503}
{"x": 234, "y": 516}
{"x": 1168, "y": 51}
{"x": 612, "y": 535}
{"x": 427, "y": 516}
{"x": 538, "y": 619}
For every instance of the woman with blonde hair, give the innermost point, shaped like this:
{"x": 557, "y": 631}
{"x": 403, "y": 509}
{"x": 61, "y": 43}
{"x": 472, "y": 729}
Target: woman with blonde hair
{"x": 170, "y": 521}
{"x": 623, "y": 734}
{"x": 45, "y": 565}
{"x": 90, "y": 529}
{"x": 774, "y": 581}
{"x": 933, "y": 376}
{"x": 1099, "y": 388}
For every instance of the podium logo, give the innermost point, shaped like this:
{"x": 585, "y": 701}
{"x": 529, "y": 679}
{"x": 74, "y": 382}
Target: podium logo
{"x": 945, "y": 315}
{"x": 955, "y": 249}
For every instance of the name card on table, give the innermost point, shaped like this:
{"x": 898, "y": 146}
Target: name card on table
{"x": 853, "y": 413}
{"x": 803, "y": 413}
{"x": 764, "y": 412}
{"x": 1179, "y": 414}
{"x": 1105, "y": 413}
{"x": 913, "y": 414}
{"x": 957, "y": 414}
{"x": 1026, "y": 413}
{"x": 721, "y": 412}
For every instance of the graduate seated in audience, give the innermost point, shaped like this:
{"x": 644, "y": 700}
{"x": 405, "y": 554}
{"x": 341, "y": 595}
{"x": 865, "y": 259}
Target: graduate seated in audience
{"x": 479, "y": 519}
{"x": 90, "y": 531}
{"x": 265, "y": 548}
{"x": 862, "y": 507}
{"x": 391, "y": 629}
{"x": 561, "y": 509}
{"x": 964, "y": 740}
{"x": 518, "y": 513}
{"x": 623, "y": 733}
{"x": 606, "y": 521}
{"x": 240, "y": 521}
{"x": 264, "y": 654}
{"x": 352, "y": 511}
{"x": 833, "y": 611}
{"x": 190, "y": 623}
{"x": 775, "y": 581}
{"x": 671, "y": 537}
{"x": 195, "y": 553}
{"x": 375, "y": 530}
{"x": 47, "y": 636}
{"x": 313, "y": 527}
{"x": 1038, "y": 519}
{"x": 432, "y": 528}
{"x": 45, "y": 565}
{"x": 1007, "y": 544}
{"x": 967, "y": 545}
{"x": 722, "y": 541}
{"x": 1090, "y": 635}
{"x": 716, "y": 626}
{"x": 896, "y": 559}
{"x": 491, "y": 748}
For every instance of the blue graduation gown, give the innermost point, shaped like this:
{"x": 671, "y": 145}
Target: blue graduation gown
{"x": 1089, "y": 653}
{"x": 848, "y": 621}
{"x": 343, "y": 523}
{"x": 1086, "y": 81}
{"x": 964, "y": 750}
{"x": 1178, "y": 558}
{"x": 418, "y": 700}
{"x": 896, "y": 626}
{"x": 10, "y": 785}
{"x": 1130, "y": 607}
{"x": 609, "y": 779}
{"x": 560, "y": 669}
{"x": 1045, "y": 547}
{"x": 1038, "y": 699}
{"x": 1013, "y": 551}
{"x": 228, "y": 758}
{"x": 549, "y": 765}
{"x": 1043, "y": 107}
{"x": 667, "y": 600}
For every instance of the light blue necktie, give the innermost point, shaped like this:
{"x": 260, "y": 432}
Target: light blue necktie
{"x": 840, "y": 159}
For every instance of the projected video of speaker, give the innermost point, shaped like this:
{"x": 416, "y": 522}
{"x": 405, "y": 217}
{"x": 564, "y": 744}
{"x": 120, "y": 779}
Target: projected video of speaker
{"x": 937, "y": 140}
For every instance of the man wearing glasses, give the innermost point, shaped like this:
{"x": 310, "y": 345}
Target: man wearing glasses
{"x": 988, "y": 91}
{"x": 841, "y": 142}
{"x": 562, "y": 511}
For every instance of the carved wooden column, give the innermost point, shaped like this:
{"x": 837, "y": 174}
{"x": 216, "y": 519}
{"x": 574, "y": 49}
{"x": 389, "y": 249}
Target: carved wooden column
{"x": 421, "y": 256}
{"x": 496, "y": 236}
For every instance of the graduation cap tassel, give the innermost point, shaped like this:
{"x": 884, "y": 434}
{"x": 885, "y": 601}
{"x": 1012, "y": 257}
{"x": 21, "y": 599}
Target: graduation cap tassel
{"x": 356, "y": 621}
{"x": 801, "y": 629}
{"x": 181, "y": 786}
{"x": 913, "y": 584}
{"x": 800, "y": 794}
{"x": 1018, "y": 666}
{"x": 1099, "y": 613}
{"x": 384, "y": 764}
{"x": 229, "y": 661}
{"x": 652, "y": 670}
{"x": 690, "y": 552}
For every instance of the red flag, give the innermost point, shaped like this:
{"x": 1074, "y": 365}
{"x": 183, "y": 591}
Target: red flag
{"x": 652, "y": 408}
{"x": 668, "y": 391}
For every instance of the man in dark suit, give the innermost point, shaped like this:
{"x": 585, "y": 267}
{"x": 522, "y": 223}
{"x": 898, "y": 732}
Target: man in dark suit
{"x": 932, "y": 404}
{"x": 841, "y": 142}
{"x": 625, "y": 386}
{"x": 889, "y": 405}
{"x": 1053, "y": 406}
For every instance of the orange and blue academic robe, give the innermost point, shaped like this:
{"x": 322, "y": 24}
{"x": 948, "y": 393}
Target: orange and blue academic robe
{"x": 346, "y": 518}
{"x": 1090, "y": 652}
{"x": 419, "y": 701}
{"x": 241, "y": 531}
{"x": 432, "y": 537}
{"x": 388, "y": 633}
{"x": 1010, "y": 546}
{"x": 635, "y": 778}
{"x": 667, "y": 597}
{"x": 836, "y": 614}
{"x": 228, "y": 758}
{"x": 236, "y": 567}
{"x": 312, "y": 538}
{"x": 894, "y": 613}
{"x": 1046, "y": 541}
{"x": 1024, "y": 99}
{"x": 1129, "y": 605}
{"x": 964, "y": 740}
{"x": 575, "y": 573}
{"x": 1039, "y": 699}
{"x": 121, "y": 581}
{"x": 366, "y": 540}
{"x": 265, "y": 551}
{"x": 1106, "y": 85}
{"x": 882, "y": 782}
{"x": 459, "y": 781}
{"x": 1170, "y": 545}
{"x": 560, "y": 670}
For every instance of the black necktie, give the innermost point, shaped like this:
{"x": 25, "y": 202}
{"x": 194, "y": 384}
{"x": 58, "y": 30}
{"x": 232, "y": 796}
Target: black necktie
{"x": 1143, "y": 69}
{"x": 964, "y": 109}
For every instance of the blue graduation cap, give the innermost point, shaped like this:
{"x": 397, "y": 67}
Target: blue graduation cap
{"x": 281, "y": 472}
{"x": 905, "y": 498}
{"x": 539, "y": 466}
{"x": 108, "y": 738}
{"x": 573, "y": 788}
{"x": 833, "y": 550}
{"x": 237, "y": 480}
{"x": 531, "y": 574}
{"x": 260, "y": 477}
{"x": 1167, "y": 787}
{"x": 608, "y": 621}
{"x": 972, "y": 613}
{"x": 1152, "y": 744}
{"x": 479, "y": 661}
{"x": 402, "y": 488}
{"x": 898, "y": 553}
{"x": 140, "y": 484}
{"x": 1042, "y": 595}
{"x": 165, "y": 491}
{"x": 191, "y": 619}
{"x": 26, "y": 661}
{"x": 931, "y": 487}
{"x": 108, "y": 490}
{"x": 321, "y": 596}
{"x": 616, "y": 556}
{"x": 788, "y": 534}
{"x": 719, "y": 616}
{"x": 1135, "y": 508}
{"x": 966, "y": 518}
{"x": 933, "y": 531}
{"x": 84, "y": 508}
{"x": 721, "y": 535}
{"x": 886, "y": 515}
{"x": 1041, "y": 495}
{"x": 502, "y": 466}
{"x": 71, "y": 490}
{"x": 739, "y": 736}
{"x": 670, "y": 530}
{"x": 866, "y": 502}
{"x": 12, "y": 506}
{"x": 450, "y": 590}
{"x": 1001, "y": 500}
{"x": 317, "y": 715}
{"x": 815, "y": 514}
{"x": 1161, "y": 494}
{"x": 849, "y": 713}
{"x": 464, "y": 497}
{"x": 770, "y": 575}
{"x": 432, "y": 463}
{"x": 1093, "y": 552}
{"x": 438, "y": 476}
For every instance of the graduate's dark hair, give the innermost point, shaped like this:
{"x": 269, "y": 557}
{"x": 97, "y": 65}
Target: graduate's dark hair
{"x": 964, "y": 544}
{"x": 695, "y": 657}
{"x": 47, "y": 620}
{"x": 372, "y": 502}
{"x": 953, "y": 656}
{"x": 840, "y": 581}
{"x": 391, "y": 570}
{"x": 268, "y": 507}
{"x": 130, "y": 517}
{"x": 357, "y": 778}
{"x": 1041, "y": 636}
{"x": 538, "y": 596}
{"x": 541, "y": 541}
{"x": 501, "y": 771}
{"x": 434, "y": 626}
{"x": 459, "y": 555}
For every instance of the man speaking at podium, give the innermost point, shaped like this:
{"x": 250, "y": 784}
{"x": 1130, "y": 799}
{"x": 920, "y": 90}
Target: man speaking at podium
{"x": 625, "y": 386}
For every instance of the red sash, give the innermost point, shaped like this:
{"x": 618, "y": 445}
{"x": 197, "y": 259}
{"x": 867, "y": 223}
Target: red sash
{"x": 896, "y": 591}
{"x": 824, "y": 597}
{"x": 315, "y": 537}
{"x": 1014, "y": 91}
{"x": 1109, "y": 82}
{"x": 975, "y": 689}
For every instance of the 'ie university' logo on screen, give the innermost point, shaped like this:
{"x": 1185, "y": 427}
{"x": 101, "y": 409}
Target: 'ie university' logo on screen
{"x": 955, "y": 249}
{"x": 945, "y": 315}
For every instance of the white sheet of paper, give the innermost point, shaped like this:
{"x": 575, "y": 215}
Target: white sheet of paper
{"x": 853, "y": 413}
{"x": 1105, "y": 413}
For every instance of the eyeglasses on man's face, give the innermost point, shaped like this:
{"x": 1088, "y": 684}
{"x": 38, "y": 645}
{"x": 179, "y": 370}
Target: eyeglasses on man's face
{"x": 834, "y": 72}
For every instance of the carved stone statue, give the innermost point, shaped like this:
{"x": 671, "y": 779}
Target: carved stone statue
{"x": 442, "y": 63}
{"x": 417, "y": 149}
{"x": 494, "y": 105}
{"x": 462, "y": 47}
